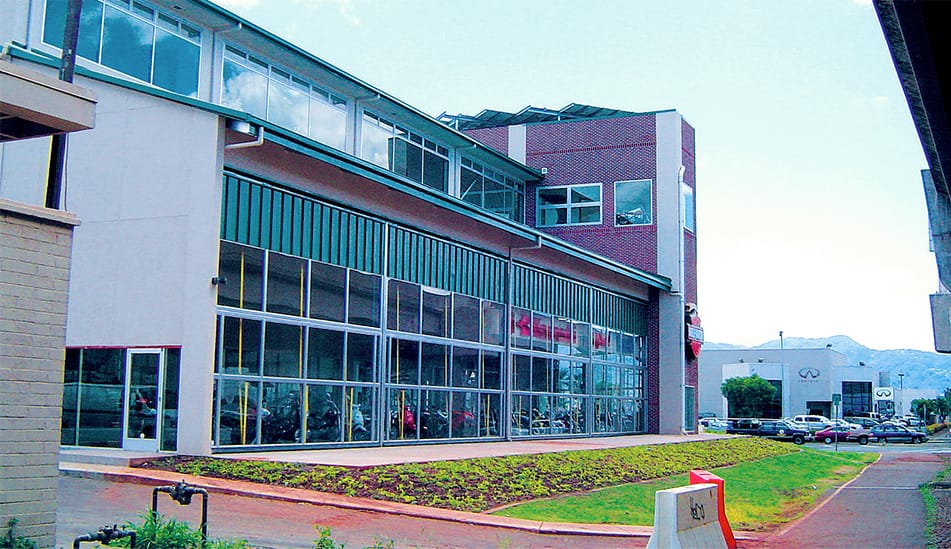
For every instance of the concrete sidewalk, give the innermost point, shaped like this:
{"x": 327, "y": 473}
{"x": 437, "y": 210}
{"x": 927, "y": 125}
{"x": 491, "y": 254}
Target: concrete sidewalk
{"x": 881, "y": 508}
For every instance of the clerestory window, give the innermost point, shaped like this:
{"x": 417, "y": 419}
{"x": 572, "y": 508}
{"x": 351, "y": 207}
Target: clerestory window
{"x": 133, "y": 38}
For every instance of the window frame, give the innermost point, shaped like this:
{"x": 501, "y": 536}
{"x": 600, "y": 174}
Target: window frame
{"x": 650, "y": 205}
{"x": 569, "y": 206}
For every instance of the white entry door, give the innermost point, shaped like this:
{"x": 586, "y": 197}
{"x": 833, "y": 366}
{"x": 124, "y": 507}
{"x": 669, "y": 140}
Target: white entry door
{"x": 143, "y": 399}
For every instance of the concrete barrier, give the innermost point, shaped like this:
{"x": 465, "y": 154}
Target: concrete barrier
{"x": 687, "y": 517}
{"x": 699, "y": 476}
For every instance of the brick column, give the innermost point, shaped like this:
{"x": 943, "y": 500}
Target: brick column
{"x": 35, "y": 251}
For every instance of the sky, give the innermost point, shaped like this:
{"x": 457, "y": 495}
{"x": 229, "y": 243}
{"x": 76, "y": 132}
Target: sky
{"x": 810, "y": 210}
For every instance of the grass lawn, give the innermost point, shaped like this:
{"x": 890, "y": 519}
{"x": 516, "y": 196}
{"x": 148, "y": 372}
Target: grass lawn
{"x": 759, "y": 495}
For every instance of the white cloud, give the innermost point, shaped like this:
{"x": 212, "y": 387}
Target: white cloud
{"x": 862, "y": 2}
{"x": 879, "y": 101}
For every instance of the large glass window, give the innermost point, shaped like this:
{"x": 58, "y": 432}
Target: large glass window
{"x": 632, "y": 202}
{"x": 404, "y": 152}
{"x": 93, "y": 397}
{"x": 328, "y": 292}
{"x": 286, "y": 284}
{"x": 241, "y": 270}
{"x": 491, "y": 190}
{"x": 403, "y": 306}
{"x": 364, "y": 308}
{"x": 133, "y": 38}
{"x": 251, "y": 84}
{"x": 569, "y": 205}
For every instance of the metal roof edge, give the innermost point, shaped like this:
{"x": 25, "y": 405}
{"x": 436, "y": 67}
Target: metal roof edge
{"x": 344, "y": 74}
{"x": 358, "y": 166}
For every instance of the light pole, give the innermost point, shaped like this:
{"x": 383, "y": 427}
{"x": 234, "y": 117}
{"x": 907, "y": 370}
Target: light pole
{"x": 901, "y": 393}
{"x": 782, "y": 378}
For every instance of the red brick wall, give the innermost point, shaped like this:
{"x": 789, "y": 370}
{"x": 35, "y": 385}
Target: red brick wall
{"x": 598, "y": 151}
{"x": 496, "y": 138}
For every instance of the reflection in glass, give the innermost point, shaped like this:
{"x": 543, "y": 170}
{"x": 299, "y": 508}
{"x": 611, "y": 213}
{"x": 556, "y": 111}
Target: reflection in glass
{"x": 328, "y": 122}
{"x": 436, "y": 310}
{"x": 491, "y": 370}
{"x": 328, "y": 291}
{"x": 244, "y": 89}
{"x": 465, "y": 367}
{"x": 434, "y": 414}
{"x": 325, "y": 354}
{"x": 361, "y": 348}
{"x": 404, "y": 362}
{"x": 402, "y": 412}
{"x": 241, "y": 347}
{"x": 127, "y": 44}
{"x": 282, "y": 423}
{"x": 465, "y": 318}
{"x": 324, "y": 419}
{"x": 435, "y": 365}
{"x": 170, "y": 400}
{"x": 493, "y": 323}
{"x": 238, "y": 409}
{"x": 286, "y": 284}
{"x": 243, "y": 267}
{"x": 287, "y": 105}
{"x": 176, "y": 63}
{"x": 283, "y": 350}
{"x": 403, "y": 306}
{"x": 365, "y": 299}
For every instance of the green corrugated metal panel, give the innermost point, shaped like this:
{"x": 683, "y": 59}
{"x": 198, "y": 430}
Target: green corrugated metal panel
{"x": 426, "y": 260}
{"x": 547, "y": 293}
{"x": 278, "y": 220}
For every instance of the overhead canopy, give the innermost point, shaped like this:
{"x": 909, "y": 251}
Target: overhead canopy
{"x": 35, "y": 105}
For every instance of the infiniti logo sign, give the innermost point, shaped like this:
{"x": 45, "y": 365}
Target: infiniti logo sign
{"x": 808, "y": 373}
{"x": 883, "y": 393}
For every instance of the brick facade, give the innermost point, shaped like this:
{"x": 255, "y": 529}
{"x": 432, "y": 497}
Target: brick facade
{"x": 34, "y": 278}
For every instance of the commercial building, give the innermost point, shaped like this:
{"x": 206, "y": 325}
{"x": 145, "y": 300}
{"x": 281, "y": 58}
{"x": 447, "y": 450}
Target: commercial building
{"x": 806, "y": 381}
{"x": 275, "y": 254}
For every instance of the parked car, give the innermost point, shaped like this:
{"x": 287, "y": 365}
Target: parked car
{"x": 865, "y": 422}
{"x": 892, "y": 432}
{"x": 845, "y": 423}
{"x": 782, "y": 430}
{"x": 744, "y": 426}
{"x": 814, "y": 422}
{"x": 775, "y": 429}
{"x": 713, "y": 423}
{"x": 842, "y": 433}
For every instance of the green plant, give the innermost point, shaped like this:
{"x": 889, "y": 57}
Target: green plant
{"x": 487, "y": 483}
{"x": 158, "y": 532}
{"x": 10, "y": 542}
{"x": 325, "y": 541}
{"x": 748, "y": 396}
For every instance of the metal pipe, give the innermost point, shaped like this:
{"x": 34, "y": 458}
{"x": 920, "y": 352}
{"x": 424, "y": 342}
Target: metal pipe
{"x": 106, "y": 534}
{"x": 182, "y": 493}
{"x": 256, "y": 143}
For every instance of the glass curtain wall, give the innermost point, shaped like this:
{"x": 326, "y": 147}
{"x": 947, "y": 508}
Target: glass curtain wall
{"x": 319, "y": 351}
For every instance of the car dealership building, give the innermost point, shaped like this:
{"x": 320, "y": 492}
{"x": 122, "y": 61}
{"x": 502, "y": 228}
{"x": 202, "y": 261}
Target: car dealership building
{"x": 807, "y": 381}
{"x": 273, "y": 253}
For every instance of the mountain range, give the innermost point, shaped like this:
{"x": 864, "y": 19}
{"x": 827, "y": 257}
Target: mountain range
{"x": 922, "y": 369}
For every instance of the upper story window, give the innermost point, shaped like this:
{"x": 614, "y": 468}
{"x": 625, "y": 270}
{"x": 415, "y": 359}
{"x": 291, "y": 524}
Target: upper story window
{"x": 690, "y": 208}
{"x": 491, "y": 190}
{"x": 404, "y": 152}
{"x": 569, "y": 205}
{"x": 133, "y": 38}
{"x": 255, "y": 86}
{"x": 633, "y": 202}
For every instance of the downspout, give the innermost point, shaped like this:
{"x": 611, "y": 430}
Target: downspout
{"x": 506, "y": 419}
{"x": 246, "y": 144}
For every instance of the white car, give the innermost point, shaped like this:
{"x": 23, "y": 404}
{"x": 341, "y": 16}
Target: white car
{"x": 851, "y": 426}
{"x": 814, "y": 422}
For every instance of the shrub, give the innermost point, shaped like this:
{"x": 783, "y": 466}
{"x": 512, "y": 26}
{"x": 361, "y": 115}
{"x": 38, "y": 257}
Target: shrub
{"x": 10, "y": 541}
{"x": 159, "y": 532}
{"x": 485, "y": 483}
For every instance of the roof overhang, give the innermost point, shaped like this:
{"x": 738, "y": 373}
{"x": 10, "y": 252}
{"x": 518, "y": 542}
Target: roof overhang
{"x": 35, "y": 105}
{"x": 918, "y": 38}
